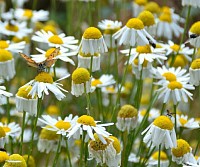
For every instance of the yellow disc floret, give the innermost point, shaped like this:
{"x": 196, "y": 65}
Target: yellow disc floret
{"x": 183, "y": 121}
{"x": 50, "y": 28}
{"x": 144, "y": 64}
{"x": 88, "y": 54}
{"x": 92, "y": 33}
{"x": 195, "y": 64}
{"x": 174, "y": 85}
{"x": 55, "y": 39}
{"x": 175, "y": 47}
{"x": 20, "y": 162}
{"x": 165, "y": 17}
{"x": 3, "y": 156}
{"x": 5, "y": 55}
{"x": 143, "y": 49}
{"x": 169, "y": 76}
{"x": 127, "y": 111}
{"x": 152, "y": 7}
{"x": 24, "y": 92}
{"x": 141, "y": 2}
{"x": 53, "y": 110}
{"x": 28, "y": 13}
{"x": 195, "y": 28}
{"x": 11, "y": 27}
{"x": 147, "y": 18}
{"x": 163, "y": 122}
{"x": 3, "y": 44}
{"x": 97, "y": 143}
{"x": 80, "y": 75}
{"x": 116, "y": 144}
{"x": 31, "y": 161}
{"x": 63, "y": 125}
{"x": 48, "y": 134}
{"x": 180, "y": 61}
{"x": 2, "y": 132}
{"x": 135, "y": 23}
{"x": 163, "y": 156}
{"x": 182, "y": 148}
{"x": 86, "y": 120}
{"x": 44, "y": 77}
{"x": 6, "y": 129}
{"x": 96, "y": 82}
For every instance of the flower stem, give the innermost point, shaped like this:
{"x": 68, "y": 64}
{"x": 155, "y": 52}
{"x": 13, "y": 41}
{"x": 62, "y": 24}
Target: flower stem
{"x": 68, "y": 154}
{"x": 34, "y": 4}
{"x": 7, "y": 102}
{"x": 159, "y": 155}
{"x": 22, "y": 134}
{"x": 57, "y": 152}
{"x": 175, "y": 118}
{"x": 88, "y": 100}
{"x": 82, "y": 149}
{"x": 91, "y": 61}
{"x": 47, "y": 159}
{"x": 163, "y": 108}
{"x": 116, "y": 65}
{"x": 110, "y": 54}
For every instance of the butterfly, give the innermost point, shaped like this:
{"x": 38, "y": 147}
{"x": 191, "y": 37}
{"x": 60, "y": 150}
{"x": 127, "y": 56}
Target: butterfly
{"x": 43, "y": 65}
{"x": 3, "y": 149}
{"x": 193, "y": 36}
{"x": 151, "y": 42}
{"x": 169, "y": 114}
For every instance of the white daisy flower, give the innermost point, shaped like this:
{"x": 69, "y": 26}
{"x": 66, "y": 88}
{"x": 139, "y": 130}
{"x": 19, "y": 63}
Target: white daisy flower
{"x": 133, "y": 33}
{"x": 12, "y": 47}
{"x": 153, "y": 161}
{"x": 34, "y": 16}
{"x": 62, "y": 41}
{"x": 63, "y": 55}
{"x": 3, "y": 95}
{"x": 160, "y": 132}
{"x": 87, "y": 124}
{"x": 58, "y": 125}
{"x": 194, "y": 35}
{"x": 109, "y": 25}
{"x": 44, "y": 82}
{"x": 193, "y": 3}
{"x": 138, "y": 6}
{"x": 2, "y": 137}
{"x": 175, "y": 90}
{"x": 92, "y": 42}
{"x": 14, "y": 28}
{"x": 185, "y": 122}
{"x": 153, "y": 114}
{"x": 195, "y": 72}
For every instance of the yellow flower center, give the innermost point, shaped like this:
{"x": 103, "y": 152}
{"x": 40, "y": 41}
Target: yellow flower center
{"x": 31, "y": 161}
{"x": 3, "y": 156}
{"x": 53, "y": 110}
{"x": 174, "y": 85}
{"x": 92, "y": 33}
{"x": 182, "y": 148}
{"x": 44, "y": 77}
{"x": 96, "y": 82}
{"x": 86, "y": 120}
{"x": 6, "y": 129}
{"x": 111, "y": 31}
{"x": 163, "y": 156}
{"x": 195, "y": 64}
{"x": 195, "y": 28}
{"x": 28, "y": 13}
{"x": 63, "y": 125}
{"x": 5, "y": 55}
{"x": 182, "y": 121}
{"x": 166, "y": 9}
{"x": 144, "y": 64}
{"x": 50, "y": 51}
{"x": 55, "y": 39}
{"x": 127, "y": 111}
{"x": 169, "y": 76}
{"x": 2, "y": 132}
{"x": 147, "y": 18}
{"x": 88, "y": 54}
{"x": 152, "y": 7}
{"x": 116, "y": 144}
{"x": 175, "y": 47}
{"x": 143, "y": 49}
{"x": 163, "y": 122}
{"x": 50, "y": 28}
{"x": 48, "y": 134}
{"x": 80, "y": 75}
{"x": 97, "y": 144}
{"x": 145, "y": 99}
{"x": 135, "y": 23}
{"x": 16, "y": 39}
{"x": 111, "y": 89}
{"x": 165, "y": 17}
{"x": 24, "y": 91}
{"x": 20, "y": 162}
{"x": 141, "y": 2}
{"x": 11, "y": 27}
{"x": 3, "y": 44}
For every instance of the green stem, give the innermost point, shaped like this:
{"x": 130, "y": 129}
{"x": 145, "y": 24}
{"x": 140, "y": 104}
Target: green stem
{"x": 69, "y": 16}
{"x": 54, "y": 71}
{"x": 57, "y": 152}
{"x": 91, "y": 61}
{"x": 124, "y": 140}
{"x": 68, "y": 154}
{"x": 175, "y": 118}
{"x": 34, "y": 4}
{"x": 163, "y": 108}
{"x": 82, "y": 149}
{"x": 53, "y": 9}
{"x": 110, "y": 54}
{"x": 196, "y": 149}
{"x": 47, "y": 159}
{"x": 116, "y": 65}
{"x": 22, "y": 134}
{"x": 88, "y": 100}
{"x": 7, "y": 101}
{"x": 159, "y": 155}
{"x": 193, "y": 55}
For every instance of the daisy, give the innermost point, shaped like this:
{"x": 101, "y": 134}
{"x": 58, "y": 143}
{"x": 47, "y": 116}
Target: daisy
{"x": 108, "y": 154}
{"x": 153, "y": 114}
{"x": 193, "y": 3}
{"x": 63, "y": 55}
{"x": 184, "y": 122}
{"x": 81, "y": 82}
{"x": 58, "y": 125}
{"x": 133, "y": 33}
{"x": 3, "y": 95}
{"x": 15, "y": 160}
{"x": 88, "y": 124}
{"x": 62, "y": 41}
{"x": 14, "y": 28}
{"x": 25, "y": 102}
{"x": 160, "y": 132}
{"x": 44, "y": 82}
{"x": 12, "y": 47}
{"x": 182, "y": 153}
{"x": 7, "y": 65}
{"x": 195, "y": 72}
{"x": 138, "y": 6}
{"x": 127, "y": 118}
{"x": 2, "y": 137}
{"x": 28, "y": 14}
{"x": 92, "y": 42}
{"x": 153, "y": 7}
{"x": 153, "y": 161}
{"x": 194, "y": 33}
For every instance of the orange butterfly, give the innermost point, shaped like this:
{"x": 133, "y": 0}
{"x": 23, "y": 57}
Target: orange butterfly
{"x": 43, "y": 65}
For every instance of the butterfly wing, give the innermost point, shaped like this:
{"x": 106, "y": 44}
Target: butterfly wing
{"x": 50, "y": 61}
{"x": 29, "y": 61}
